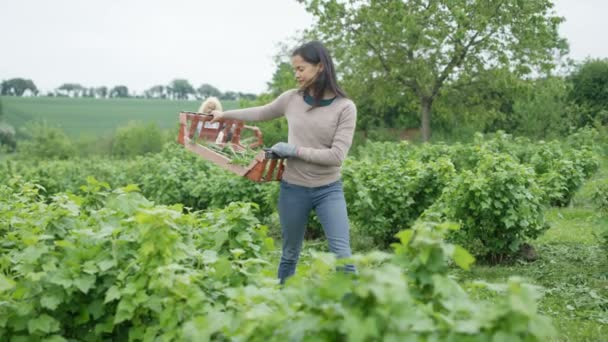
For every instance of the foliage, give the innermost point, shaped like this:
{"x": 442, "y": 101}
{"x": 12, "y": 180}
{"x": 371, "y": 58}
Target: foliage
{"x": 181, "y": 88}
{"x": 110, "y": 264}
{"x": 137, "y": 138}
{"x": 479, "y": 103}
{"x": 71, "y": 89}
{"x": 173, "y": 176}
{"x": 44, "y": 141}
{"x": 540, "y": 113}
{"x": 406, "y": 296}
{"x": 55, "y": 176}
{"x": 600, "y": 196}
{"x": 119, "y": 91}
{"x": 206, "y": 90}
{"x": 499, "y": 205}
{"x": 17, "y": 87}
{"x": 419, "y": 46}
{"x": 386, "y": 197}
{"x": 589, "y": 89}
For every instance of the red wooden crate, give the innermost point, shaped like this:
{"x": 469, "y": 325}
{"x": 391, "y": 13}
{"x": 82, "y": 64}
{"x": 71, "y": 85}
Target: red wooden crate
{"x": 194, "y": 127}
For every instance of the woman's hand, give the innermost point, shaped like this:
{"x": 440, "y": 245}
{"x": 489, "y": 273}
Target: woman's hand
{"x": 285, "y": 150}
{"x": 217, "y": 115}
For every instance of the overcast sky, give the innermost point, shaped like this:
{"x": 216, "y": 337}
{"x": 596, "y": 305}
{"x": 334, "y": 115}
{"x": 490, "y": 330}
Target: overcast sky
{"x": 227, "y": 43}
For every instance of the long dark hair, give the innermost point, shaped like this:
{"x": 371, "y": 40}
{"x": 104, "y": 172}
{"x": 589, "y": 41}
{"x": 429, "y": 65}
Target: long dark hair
{"x": 314, "y": 53}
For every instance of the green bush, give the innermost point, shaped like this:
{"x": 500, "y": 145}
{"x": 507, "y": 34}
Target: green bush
{"x": 386, "y": 197}
{"x": 499, "y": 205}
{"x": 45, "y": 142}
{"x": 122, "y": 269}
{"x": 589, "y": 91}
{"x": 600, "y": 196}
{"x": 540, "y": 111}
{"x": 600, "y": 199}
{"x": 173, "y": 176}
{"x": 137, "y": 139}
{"x": 407, "y": 296}
{"x": 56, "y": 176}
{"x": 560, "y": 166}
{"x": 110, "y": 265}
{"x": 382, "y": 151}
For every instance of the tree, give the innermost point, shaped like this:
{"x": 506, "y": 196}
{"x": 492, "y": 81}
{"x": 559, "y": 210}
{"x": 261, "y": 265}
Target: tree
{"x": 420, "y": 45}
{"x": 71, "y": 89}
{"x": 590, "y": 90}
{"x": 206, "y": 90}
{"x": 119, "y": 91}
{"x": 283, "y": 79}
{"x": 101, "y": 92}
{"x": 181, "y": 88}
{"x": 157, "y": 91}
{"x": 229, "y": 96}
{"x": 246, "y": 96}
{"x": 17, "y": 86}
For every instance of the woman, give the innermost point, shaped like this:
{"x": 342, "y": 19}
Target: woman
{"x": 321, "y": 121}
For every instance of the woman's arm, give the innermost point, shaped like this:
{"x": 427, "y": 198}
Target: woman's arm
{"x": 269, "y": 111}
{"x": 343, "y": 138}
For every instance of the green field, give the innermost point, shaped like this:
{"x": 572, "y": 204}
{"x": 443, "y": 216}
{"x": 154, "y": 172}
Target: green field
{"x": 89, "y": 116}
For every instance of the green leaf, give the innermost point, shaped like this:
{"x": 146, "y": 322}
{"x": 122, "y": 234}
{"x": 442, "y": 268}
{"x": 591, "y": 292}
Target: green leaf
{"x": 113, "y": 293}
{"x": 124, "y": 310}
{"x": 51, "y": 301}
{"x": 55, "y": 338}
{"x": 220, "y": 237}
{"x": 209, "y": 257}
{"x": 43, "y": 324}
{"x": 405, "y": 236}
{"x": 106, "y": 264}
{"x": 6, "y": 283}
{"x": 462, "y": 258}
{"x": 85, "y": 282}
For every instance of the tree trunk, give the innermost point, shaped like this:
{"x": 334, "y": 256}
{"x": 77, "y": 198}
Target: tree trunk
{"x": 425, "y": 113}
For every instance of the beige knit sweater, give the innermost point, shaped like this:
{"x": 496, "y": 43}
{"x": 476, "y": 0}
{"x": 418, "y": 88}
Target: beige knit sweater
{"x": 323, "y": 135}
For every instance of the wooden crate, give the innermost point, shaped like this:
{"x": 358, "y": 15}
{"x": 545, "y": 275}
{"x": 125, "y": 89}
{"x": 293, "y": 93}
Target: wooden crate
{"x": 194, "y": 127}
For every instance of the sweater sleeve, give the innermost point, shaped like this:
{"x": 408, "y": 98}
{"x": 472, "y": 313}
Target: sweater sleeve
{"x": 269, "y": 111}
{"x": 343, "y": 138}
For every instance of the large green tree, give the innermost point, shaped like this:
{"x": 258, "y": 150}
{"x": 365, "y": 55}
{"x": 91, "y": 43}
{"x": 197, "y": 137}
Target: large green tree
{"x": 418, "y": 46}
{"x": 206, "y": 90}
{"x": 101, "y": 91}
{"x": 71, "y": 89}
{"x": 119, "y": 91}
{"x": 181, "y": 88}
{"x": 157, "y": 91}
{"x": 17, "y": 86}
{"x": 590, "y": 90}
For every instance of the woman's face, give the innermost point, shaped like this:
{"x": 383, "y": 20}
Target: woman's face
{"x": 305, "y": 72}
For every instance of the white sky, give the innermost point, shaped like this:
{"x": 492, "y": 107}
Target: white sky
{"x": 226, "y": 43}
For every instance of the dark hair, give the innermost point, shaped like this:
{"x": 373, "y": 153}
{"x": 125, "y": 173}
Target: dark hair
{"x": 314, "y": 53}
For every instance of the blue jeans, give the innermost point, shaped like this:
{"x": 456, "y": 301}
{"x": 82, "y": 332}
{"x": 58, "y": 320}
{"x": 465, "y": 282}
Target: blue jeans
{"x": 295, "y": 204}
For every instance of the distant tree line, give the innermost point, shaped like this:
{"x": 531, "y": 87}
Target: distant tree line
{"x": 178, "y": 89}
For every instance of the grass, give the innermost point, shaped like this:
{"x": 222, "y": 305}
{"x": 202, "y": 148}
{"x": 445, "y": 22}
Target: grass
{"x": 572, "y": 269}
{"x": 98, "y": 117}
